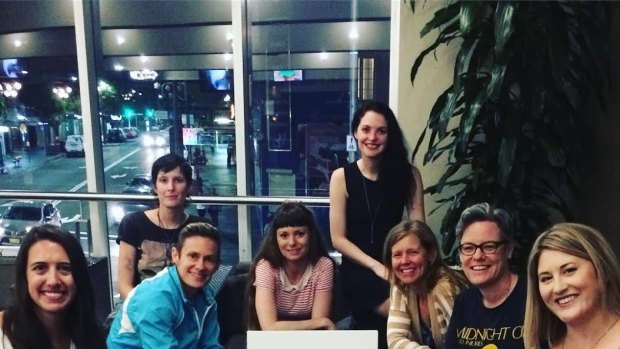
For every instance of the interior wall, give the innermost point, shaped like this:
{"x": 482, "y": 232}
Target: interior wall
{"x": 413, "y": 102}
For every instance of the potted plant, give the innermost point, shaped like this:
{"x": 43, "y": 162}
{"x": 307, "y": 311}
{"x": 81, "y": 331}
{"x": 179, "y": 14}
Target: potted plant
{"x": 521, "y": 76}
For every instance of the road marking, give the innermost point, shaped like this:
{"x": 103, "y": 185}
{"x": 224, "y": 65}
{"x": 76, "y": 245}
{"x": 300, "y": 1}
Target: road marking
{"x": 77, "y": 187}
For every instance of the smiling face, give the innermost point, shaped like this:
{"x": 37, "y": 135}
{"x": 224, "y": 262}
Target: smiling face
{"x": 293, "y": 242}
{"x": 485, "y": 270}
{"x": 49, "y": 276}
{"x": 568, "y": 285}
{"x": 196, "y": 262}
{"x": 409, "y": 260}
{"x": 171, "y": 188}
{"x": 372, "y": 134}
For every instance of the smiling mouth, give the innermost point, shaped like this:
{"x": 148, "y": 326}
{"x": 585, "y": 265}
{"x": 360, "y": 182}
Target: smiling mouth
{"x": 54, "y": 295}
{"x": 479, "y": 267}
{"x": 566, "y": 299}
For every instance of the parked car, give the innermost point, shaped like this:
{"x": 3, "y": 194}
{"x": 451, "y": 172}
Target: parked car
{"x": 20, "y": 216}
{"x": 116, "y": 135}
{"x": 74, "y": 145}
{"x": 130, "y": 132}
{"x": 138, "y": 184}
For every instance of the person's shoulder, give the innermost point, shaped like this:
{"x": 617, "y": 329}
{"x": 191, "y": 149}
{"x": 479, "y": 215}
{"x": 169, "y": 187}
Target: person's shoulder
{"x": 325, "y": 263}
{"x": 155, "y": 289}
{"x": 1, "y": 319}
{"x": 134, "y": 217}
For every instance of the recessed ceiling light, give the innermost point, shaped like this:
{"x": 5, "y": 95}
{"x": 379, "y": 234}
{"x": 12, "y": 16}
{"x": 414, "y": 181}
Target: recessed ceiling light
{"x": 229, "y": 36}
{"x": 120, "y": 40}
{"x": 354, "y": 34}
{"x": 323, "y": 55}
{"x": 118, "y": 67}
{"x": 17, "y": 43}
{"x": 227, "y": 56}
{"x": 143, "y": 58}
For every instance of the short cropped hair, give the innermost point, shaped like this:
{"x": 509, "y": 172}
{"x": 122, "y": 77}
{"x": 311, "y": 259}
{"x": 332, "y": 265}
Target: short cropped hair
{"x": 577, "y": 240}
{"x": 484, "y": 212}
{"x": 168, "y": 163}
{"x": 201, "y": 229}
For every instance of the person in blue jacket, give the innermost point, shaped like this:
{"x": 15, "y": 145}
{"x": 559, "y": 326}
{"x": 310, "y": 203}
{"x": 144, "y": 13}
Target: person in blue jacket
{"x": 174, "y": 309}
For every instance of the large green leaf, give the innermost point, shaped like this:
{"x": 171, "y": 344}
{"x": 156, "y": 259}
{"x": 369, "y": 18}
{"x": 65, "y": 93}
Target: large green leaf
{"x": 443, "y": 17}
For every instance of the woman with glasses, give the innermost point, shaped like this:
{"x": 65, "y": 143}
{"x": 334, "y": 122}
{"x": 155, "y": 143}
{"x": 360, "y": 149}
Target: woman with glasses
{"x": 573, "y": 296}
{"x": 491, "y": 313}
{"x": 423, "y": 288}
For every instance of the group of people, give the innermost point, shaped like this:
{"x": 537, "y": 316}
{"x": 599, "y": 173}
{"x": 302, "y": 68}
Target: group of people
{"x": 391, "y": 273}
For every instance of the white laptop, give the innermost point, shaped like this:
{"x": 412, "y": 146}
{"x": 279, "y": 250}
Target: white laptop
{"x": 317, "y": 339}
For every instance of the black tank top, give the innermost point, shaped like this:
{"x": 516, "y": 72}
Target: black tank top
{"x": 370, "y": 211}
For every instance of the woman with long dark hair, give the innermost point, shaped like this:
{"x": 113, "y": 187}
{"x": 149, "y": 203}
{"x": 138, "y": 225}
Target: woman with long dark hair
{"x": 367, "y": 198}
{"x": 54, "y": 304}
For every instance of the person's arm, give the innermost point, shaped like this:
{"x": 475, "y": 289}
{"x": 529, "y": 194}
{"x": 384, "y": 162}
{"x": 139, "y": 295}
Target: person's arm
{"x": 268, "y": 319}
{"x": 126, "y": 268}
{"x": 322, "y": 304}
{"x": 399, "y": 323}
{"x": 265, "y": 303}
{"x": 338, "y": 226}
{"x": 416, "y": 206}
{"x": 153, "y": 314}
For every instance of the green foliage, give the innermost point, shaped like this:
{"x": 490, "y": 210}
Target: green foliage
{"x": 520, "y": 77}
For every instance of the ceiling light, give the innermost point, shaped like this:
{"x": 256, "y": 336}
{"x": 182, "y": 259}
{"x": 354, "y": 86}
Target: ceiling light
{"x": 17, "y": 43}
{"x": 118, "y": 67}
{"x": 229, "y": 36}
{"x": 120, "y": 40}
{"x": 227, "y": 56}
{"x": 143, "y": 58}
{"x": 323, "y": 55}
{"x": 353, "y": 34}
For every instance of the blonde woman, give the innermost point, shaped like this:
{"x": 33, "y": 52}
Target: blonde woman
{"x": 573, "y": 295}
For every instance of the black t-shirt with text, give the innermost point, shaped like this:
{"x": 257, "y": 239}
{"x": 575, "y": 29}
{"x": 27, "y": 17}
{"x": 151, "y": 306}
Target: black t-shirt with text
{"x": 474, "y": 326}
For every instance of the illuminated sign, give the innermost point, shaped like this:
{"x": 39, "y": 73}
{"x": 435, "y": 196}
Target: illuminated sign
{"x": 145, "y": 74}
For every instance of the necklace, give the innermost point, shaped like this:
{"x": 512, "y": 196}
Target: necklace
{"x": 372, "y": 217}
{"x": 601, "y": 336}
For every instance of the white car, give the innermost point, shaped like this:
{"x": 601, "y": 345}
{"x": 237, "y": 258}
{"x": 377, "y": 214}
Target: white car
{"x": 20, "y": 216}
{"x": 74, "y": 145}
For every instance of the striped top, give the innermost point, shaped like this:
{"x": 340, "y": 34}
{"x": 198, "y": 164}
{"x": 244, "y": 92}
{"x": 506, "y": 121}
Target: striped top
{"x": 295, "y": 301}
{"x": 403, "y": 325}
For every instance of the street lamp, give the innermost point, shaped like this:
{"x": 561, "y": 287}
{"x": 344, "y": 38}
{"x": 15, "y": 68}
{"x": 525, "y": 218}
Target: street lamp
{"x": 62, "y": 92}
{"x": 10, "y": 89}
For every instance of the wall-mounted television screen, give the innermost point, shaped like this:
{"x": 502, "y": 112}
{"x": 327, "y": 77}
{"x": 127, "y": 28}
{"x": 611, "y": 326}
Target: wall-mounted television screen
{"x": 288, "y": 75}
{"x": 217, "y": 79}
{"x": 11, "y": 68}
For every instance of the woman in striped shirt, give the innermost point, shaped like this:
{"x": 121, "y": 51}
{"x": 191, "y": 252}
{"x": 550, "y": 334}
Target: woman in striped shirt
{"x": 423, "y": 288}
{"x": 292, "y": 276}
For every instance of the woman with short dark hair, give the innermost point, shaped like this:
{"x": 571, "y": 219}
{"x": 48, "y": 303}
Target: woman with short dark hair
{"x": 145, "y": 238}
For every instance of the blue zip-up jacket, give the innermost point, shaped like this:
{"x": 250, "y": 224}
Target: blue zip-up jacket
{"x": 156, "y": 314}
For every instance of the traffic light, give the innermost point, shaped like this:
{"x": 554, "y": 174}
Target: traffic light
{"x": 149, "y": 112}
{"x": 128, "y": 112}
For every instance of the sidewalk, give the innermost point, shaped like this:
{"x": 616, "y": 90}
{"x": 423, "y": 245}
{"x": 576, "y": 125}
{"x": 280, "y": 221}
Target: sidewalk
{"x": 18, "y": 163}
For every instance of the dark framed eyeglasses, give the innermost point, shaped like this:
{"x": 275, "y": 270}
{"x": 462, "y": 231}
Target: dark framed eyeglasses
{"x": 489, "y": 247}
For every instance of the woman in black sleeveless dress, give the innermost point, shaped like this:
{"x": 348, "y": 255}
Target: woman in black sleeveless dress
{"x": 367, "y": 198}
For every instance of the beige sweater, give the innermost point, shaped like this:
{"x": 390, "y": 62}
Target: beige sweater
{"x": 403, "y": 325}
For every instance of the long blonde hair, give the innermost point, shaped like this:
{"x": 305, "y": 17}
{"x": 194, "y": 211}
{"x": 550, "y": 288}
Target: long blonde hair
{"x": 581, "y": 241}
